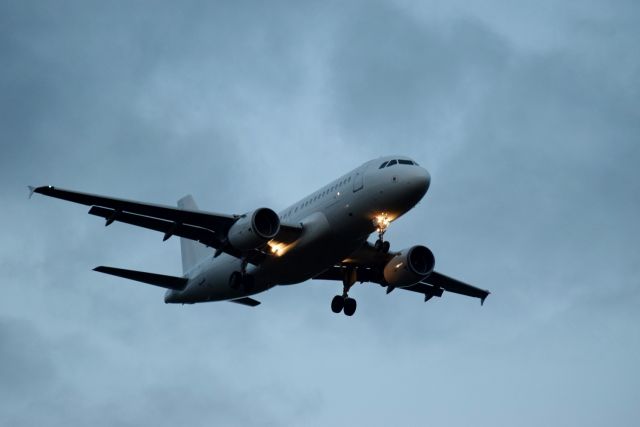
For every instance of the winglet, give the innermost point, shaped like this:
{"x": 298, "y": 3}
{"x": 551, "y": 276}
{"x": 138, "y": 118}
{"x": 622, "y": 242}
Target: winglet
{"x": 484, "y": 298}
{"x": 40, "y": 190}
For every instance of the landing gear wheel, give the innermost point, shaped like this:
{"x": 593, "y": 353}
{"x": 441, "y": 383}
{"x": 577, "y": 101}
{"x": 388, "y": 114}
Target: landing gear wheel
{"x": 382, "y": 246}
{"x": 337, "y": 304}
{"x": 235, "y": 280}
{"x": 349, "y": 306}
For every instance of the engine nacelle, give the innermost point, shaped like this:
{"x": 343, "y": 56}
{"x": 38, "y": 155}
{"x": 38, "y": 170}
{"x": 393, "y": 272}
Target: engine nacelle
{"x": 409, "y": 267}
{"x": 254, "y": 229}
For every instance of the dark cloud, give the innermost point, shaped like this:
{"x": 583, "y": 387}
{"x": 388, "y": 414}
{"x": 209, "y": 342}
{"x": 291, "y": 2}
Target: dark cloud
{"x": 527, "y": 118}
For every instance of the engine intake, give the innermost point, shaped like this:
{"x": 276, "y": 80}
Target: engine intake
{"x": 409, "y": 267}
{"x": 254, "y": 229}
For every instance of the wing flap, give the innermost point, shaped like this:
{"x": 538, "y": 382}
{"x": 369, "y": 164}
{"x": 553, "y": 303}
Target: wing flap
{"x": 161, "y": 280}
{"x": 199, "y": 234}
{"x": 427, "y": 290}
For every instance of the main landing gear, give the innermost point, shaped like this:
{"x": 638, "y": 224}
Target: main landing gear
{"x": 241, "y": 278}
{"x": 343, "y": 302}
{"x": 238, "y": 280}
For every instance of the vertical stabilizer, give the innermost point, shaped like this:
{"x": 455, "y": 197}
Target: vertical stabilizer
{"x": 192, "y": 251}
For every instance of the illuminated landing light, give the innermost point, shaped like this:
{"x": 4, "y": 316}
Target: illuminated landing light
{"x": 381, "y": 222}
{"x": 276, "y": 248}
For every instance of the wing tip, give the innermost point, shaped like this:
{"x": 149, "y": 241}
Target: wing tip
{"x": 43, "y": 189}
{"x": 484, "y": 298}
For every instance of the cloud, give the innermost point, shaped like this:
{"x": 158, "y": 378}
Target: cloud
{"x": 526, "y": 117}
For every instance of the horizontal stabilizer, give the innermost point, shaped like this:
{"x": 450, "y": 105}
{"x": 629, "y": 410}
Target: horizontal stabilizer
{"x": 168, "y": 282}
{"x": 246, "y": 301}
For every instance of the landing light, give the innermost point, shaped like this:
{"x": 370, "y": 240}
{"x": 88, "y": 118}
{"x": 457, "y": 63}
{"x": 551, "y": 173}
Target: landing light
{"x": 276, "y": 248}
{"x": 381, "y": 221}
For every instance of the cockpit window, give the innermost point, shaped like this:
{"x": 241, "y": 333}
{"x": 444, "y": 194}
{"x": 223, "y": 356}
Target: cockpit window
{"x": 405, "y": 162}
{"x": 383, "y": 165}
{"x": 391, "y": 163}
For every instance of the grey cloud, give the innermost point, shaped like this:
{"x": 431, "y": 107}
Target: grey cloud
{"x": 528, "y": 124}
{"x": 26, "y": 366}
{"x": 401, "y": 83}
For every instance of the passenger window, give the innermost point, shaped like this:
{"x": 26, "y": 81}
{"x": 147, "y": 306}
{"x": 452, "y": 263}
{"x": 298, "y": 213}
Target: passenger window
{"x": 391, "y": 163}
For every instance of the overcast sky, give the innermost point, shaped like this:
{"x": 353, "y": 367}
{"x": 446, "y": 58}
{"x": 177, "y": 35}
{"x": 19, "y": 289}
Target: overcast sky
{"x": 527, "y": 116}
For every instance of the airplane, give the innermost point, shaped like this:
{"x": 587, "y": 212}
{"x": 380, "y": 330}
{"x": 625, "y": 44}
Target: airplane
{"x": 323, "y": 236}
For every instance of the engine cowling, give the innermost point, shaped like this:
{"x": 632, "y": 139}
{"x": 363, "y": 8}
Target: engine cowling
{"x": 254, "y": 229}
{"x": 409, "y": 267}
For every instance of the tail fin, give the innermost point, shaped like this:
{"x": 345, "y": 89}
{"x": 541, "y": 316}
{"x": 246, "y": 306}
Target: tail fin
{"x": 192, "y": 251}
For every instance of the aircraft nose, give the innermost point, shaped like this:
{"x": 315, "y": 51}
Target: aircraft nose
{"x": 420, "y": 181}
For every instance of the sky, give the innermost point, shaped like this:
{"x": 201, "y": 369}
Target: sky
{"x": 526, "y": 114}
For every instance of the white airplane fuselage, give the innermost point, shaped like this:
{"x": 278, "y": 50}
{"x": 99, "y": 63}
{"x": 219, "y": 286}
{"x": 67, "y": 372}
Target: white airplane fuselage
{"x": 336, "y": 221}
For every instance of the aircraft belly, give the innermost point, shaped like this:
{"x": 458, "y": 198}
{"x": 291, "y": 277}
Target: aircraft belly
{"x": 307, "y": 261}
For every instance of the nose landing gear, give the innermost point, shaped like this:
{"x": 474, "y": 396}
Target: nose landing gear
{"x": 344, "y": 302}
{"x": 382, "y": 245}
{"x": 382, "y": 223}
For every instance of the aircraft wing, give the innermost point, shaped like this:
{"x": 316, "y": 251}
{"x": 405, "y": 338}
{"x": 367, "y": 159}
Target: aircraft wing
{"x": 450, "y": 284}
{"x": 369, "y": 263}
{"x": 212, "y": 221}
{"x": 205, "y": 227}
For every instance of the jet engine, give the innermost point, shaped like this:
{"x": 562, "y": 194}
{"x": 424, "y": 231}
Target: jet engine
{"x": 254, "y": 229}
{"x": 409, "y": 266}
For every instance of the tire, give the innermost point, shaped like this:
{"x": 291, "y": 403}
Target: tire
{"x": 385, "y": 247}
{"x": 349, "y": 306}
{"x": 337, "y": 304}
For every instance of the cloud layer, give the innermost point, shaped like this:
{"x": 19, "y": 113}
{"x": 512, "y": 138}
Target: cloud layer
{"x": 527, "y": 117}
